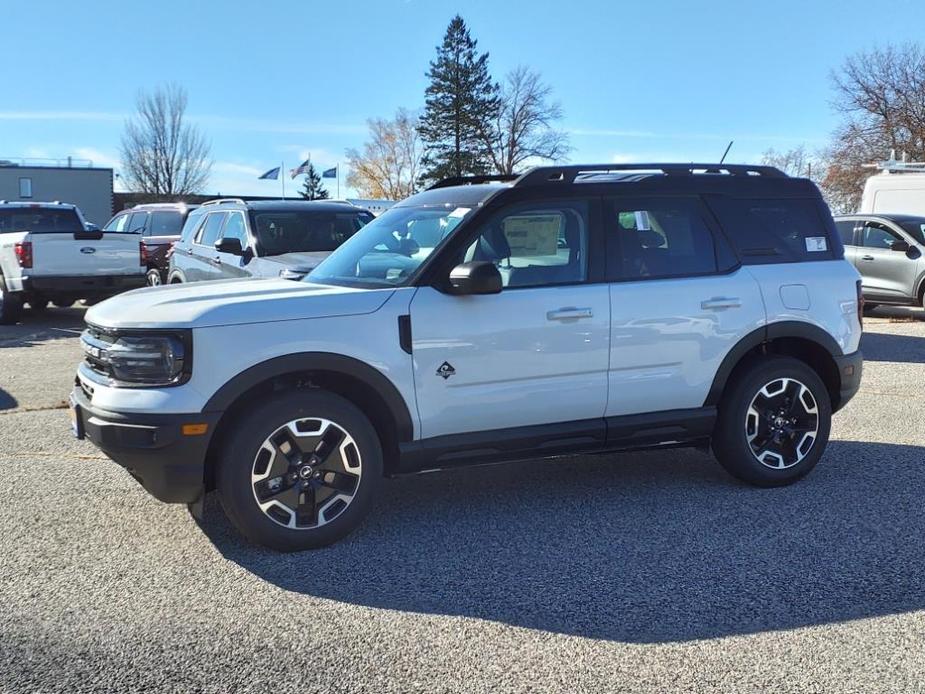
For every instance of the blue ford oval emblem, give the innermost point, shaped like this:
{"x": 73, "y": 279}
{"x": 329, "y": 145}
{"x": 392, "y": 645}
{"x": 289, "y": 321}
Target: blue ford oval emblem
{"x": 88, "y": 250}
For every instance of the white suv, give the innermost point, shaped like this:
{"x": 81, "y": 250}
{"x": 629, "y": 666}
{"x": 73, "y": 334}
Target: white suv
{"x": 575, "y": 309}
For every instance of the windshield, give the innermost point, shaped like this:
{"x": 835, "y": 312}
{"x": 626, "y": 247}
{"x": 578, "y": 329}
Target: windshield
{"x": 39, "y": 220}
{"x": 915, "y": 228}
{"x": 390, "y": 248}
{"x": 292, "y": 232}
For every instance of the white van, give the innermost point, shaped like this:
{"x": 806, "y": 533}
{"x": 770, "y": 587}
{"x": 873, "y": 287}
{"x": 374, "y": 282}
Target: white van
{"x": 899, "y": 189}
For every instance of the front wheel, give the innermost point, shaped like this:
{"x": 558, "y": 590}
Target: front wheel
{"x": 300, "y": 470}
{"x": 10, "y": 305}
{"x": 773, "y": 422}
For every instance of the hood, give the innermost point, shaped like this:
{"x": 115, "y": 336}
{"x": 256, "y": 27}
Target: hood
{"x": 302, "y": 261}
{"x": 232, "y": 302}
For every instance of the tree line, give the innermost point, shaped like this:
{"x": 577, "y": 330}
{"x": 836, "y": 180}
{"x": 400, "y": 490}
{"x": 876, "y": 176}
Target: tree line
{"x": 470, "y": 124}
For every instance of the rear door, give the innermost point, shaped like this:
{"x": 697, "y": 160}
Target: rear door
{"x": 886, "y": 274}
{"x": 679, "y": 302}
{"x": 203, "y": 258}
{"x": 62, "y": 247}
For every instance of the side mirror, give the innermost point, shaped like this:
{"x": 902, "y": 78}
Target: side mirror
{"x": 901, "y": 246}
{"x": 231, "y": 245}
{"x": 92, "y": 227}
{"x": 480, "y": 277}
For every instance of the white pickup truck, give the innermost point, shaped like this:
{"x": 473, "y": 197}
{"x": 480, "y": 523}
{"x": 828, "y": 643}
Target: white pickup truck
{"x": 48, "y": 253}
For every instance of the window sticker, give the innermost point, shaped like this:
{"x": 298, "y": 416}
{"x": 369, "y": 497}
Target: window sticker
{"x": 459, "y": 212}
{"x": 532, "y": 236}
{"x": 815, "y": 244}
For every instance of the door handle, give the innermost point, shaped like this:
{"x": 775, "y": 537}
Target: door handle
{"x": 720, "y": 302}
{"x": 569, "y": 313}
{"x": 216, "y": 261}
{"x": 867, "y": 257}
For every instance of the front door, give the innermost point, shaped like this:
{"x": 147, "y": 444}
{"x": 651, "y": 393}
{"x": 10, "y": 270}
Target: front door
{"x": 534, "y": 354}
{"x": 886, "y": 274}
{"x": 229, "y": 265}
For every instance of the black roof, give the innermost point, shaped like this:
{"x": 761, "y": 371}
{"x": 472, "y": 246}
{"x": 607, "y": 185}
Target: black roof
{"x": 737, "y": 180}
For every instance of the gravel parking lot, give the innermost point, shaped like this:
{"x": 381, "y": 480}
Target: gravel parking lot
{"x": 644, "y": 572}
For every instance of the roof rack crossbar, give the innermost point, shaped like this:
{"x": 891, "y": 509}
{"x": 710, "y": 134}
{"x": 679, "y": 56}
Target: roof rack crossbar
{"x": 473, "y": 180}
{"x": 546, "y": 175}
{"x": 224, "y": 201}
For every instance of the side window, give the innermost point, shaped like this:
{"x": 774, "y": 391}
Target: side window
{"x": 117, "y": 223}
{"x": 191, "y": 227}
{"x": 846, "y": 231}
{"x": 138, "y": 222}
{"x": 208, "y": 233}
{"x": 657, "y": 238}
{"x": 776, "y": 230}
{"x": 235, "y": 228}
{"x": 536, "y": 245}
{"x": 877, "y": 236}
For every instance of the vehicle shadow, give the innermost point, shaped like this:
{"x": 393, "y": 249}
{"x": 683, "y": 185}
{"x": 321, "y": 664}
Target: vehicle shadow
{"x": 642, "y": 548}
{"x": 35, "y": 328}
{"x": 7, "y": 401}
{"x": 893, "y": 347}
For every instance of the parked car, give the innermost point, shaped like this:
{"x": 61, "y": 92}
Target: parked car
{"x": 577, "y": 309}
{"x": 233, "y": 238}
{"x": 159, "y": 225}
{"x": 887, "y": 251}
{"x": 48, "y": 253}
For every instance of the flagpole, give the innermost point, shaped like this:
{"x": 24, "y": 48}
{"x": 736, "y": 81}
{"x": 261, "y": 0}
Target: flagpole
{"x": 337, "y": 171}
{"x": 282, "y": 177}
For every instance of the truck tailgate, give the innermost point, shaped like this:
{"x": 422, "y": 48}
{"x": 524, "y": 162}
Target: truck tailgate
{"x": 85, "y": 253}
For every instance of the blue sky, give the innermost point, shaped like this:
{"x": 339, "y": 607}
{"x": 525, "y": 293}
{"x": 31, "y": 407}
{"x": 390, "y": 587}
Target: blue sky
{"x": 272, "y": 81}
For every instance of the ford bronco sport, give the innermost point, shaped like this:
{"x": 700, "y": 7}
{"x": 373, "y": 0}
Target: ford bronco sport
{"x": 574, "y": 309}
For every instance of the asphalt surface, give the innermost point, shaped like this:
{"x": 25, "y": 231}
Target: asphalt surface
{"x": 640, "y": 572}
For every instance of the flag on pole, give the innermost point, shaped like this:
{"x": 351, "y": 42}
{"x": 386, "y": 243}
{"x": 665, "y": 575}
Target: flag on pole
{"x": 302, "y": 168}
{"x": 272, "y": 174}
{"x": 329, "y": 173}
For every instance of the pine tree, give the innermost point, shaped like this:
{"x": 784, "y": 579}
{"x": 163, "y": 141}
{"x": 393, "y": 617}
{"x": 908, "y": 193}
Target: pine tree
{"x": 461, "y": 103}
{"x": 312, "y": 189}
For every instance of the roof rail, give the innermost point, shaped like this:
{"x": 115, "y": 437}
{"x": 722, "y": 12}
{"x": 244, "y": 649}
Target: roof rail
{"x": 545, "y": 175}
{"x": 224, "y": 201}
{"x": 473, "y": 180}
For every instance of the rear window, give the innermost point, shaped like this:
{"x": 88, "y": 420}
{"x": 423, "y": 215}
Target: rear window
{"x": 292, "y": 232}
{"x": 165, "y": 224}
{"x": 39, "y": 220}
{"x": 777, "y": 230}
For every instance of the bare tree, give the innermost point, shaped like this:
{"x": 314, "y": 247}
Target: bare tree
{"x": 390, "y": 163}
{"x": 524, "y": 128}
{"x": 161, "y": 154}
{"x": 881, "y": 97}
{"x": 793, "y": 162}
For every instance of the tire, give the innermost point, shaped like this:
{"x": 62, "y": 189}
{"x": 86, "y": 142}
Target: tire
{"x": 154, "y": 278}
{"x": 751, "y": 425}
{"x": 263, "y": 455}
{"x": 38, "y": 304}
{"x": 10, "y": 305}
{"x": 63, "y": 303}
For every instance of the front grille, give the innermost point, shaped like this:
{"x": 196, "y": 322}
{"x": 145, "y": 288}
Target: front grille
{"x": 93, "y": 341}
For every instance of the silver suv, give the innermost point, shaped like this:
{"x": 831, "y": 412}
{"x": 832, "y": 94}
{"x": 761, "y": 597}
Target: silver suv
{"x": 887, "y": 251}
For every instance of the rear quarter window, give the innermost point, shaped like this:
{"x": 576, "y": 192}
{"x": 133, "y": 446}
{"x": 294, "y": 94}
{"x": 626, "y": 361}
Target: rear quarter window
{"x": 191, "y": 225}
{"x": 777, "y": 230}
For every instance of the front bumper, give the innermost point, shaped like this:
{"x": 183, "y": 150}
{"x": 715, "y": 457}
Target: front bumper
{"x": 83, "y": 286}
{"x": 850, "y": 370}
{"x": 169, "y": 464}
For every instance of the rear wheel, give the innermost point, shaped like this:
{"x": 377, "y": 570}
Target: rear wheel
{"x": 38, "y": 304}
{"x": 63, "y": 303}
{"x": 300, "y": 470}
{"x": 10, "y": 305}
{"x": 773, "y": 422}
{"x": 154, "y": 278}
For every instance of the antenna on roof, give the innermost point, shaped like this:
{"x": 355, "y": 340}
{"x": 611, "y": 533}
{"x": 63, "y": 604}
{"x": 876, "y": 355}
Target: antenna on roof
{"x": 728, "y": 147}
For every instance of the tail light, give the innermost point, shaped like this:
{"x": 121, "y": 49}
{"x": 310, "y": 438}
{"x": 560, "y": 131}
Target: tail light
{"x": 23, "y": 252}
{"x": 142, "y": 254}
{"x": 170, "y": 249}
{"x": 860, "y": 304}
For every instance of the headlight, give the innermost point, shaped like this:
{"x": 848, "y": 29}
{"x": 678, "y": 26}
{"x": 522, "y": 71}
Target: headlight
{"x": 153, "y": 359}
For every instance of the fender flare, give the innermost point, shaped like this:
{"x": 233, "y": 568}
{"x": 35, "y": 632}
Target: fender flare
{"x": 763, "y": 335}
{"x": 225, "y": 396}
